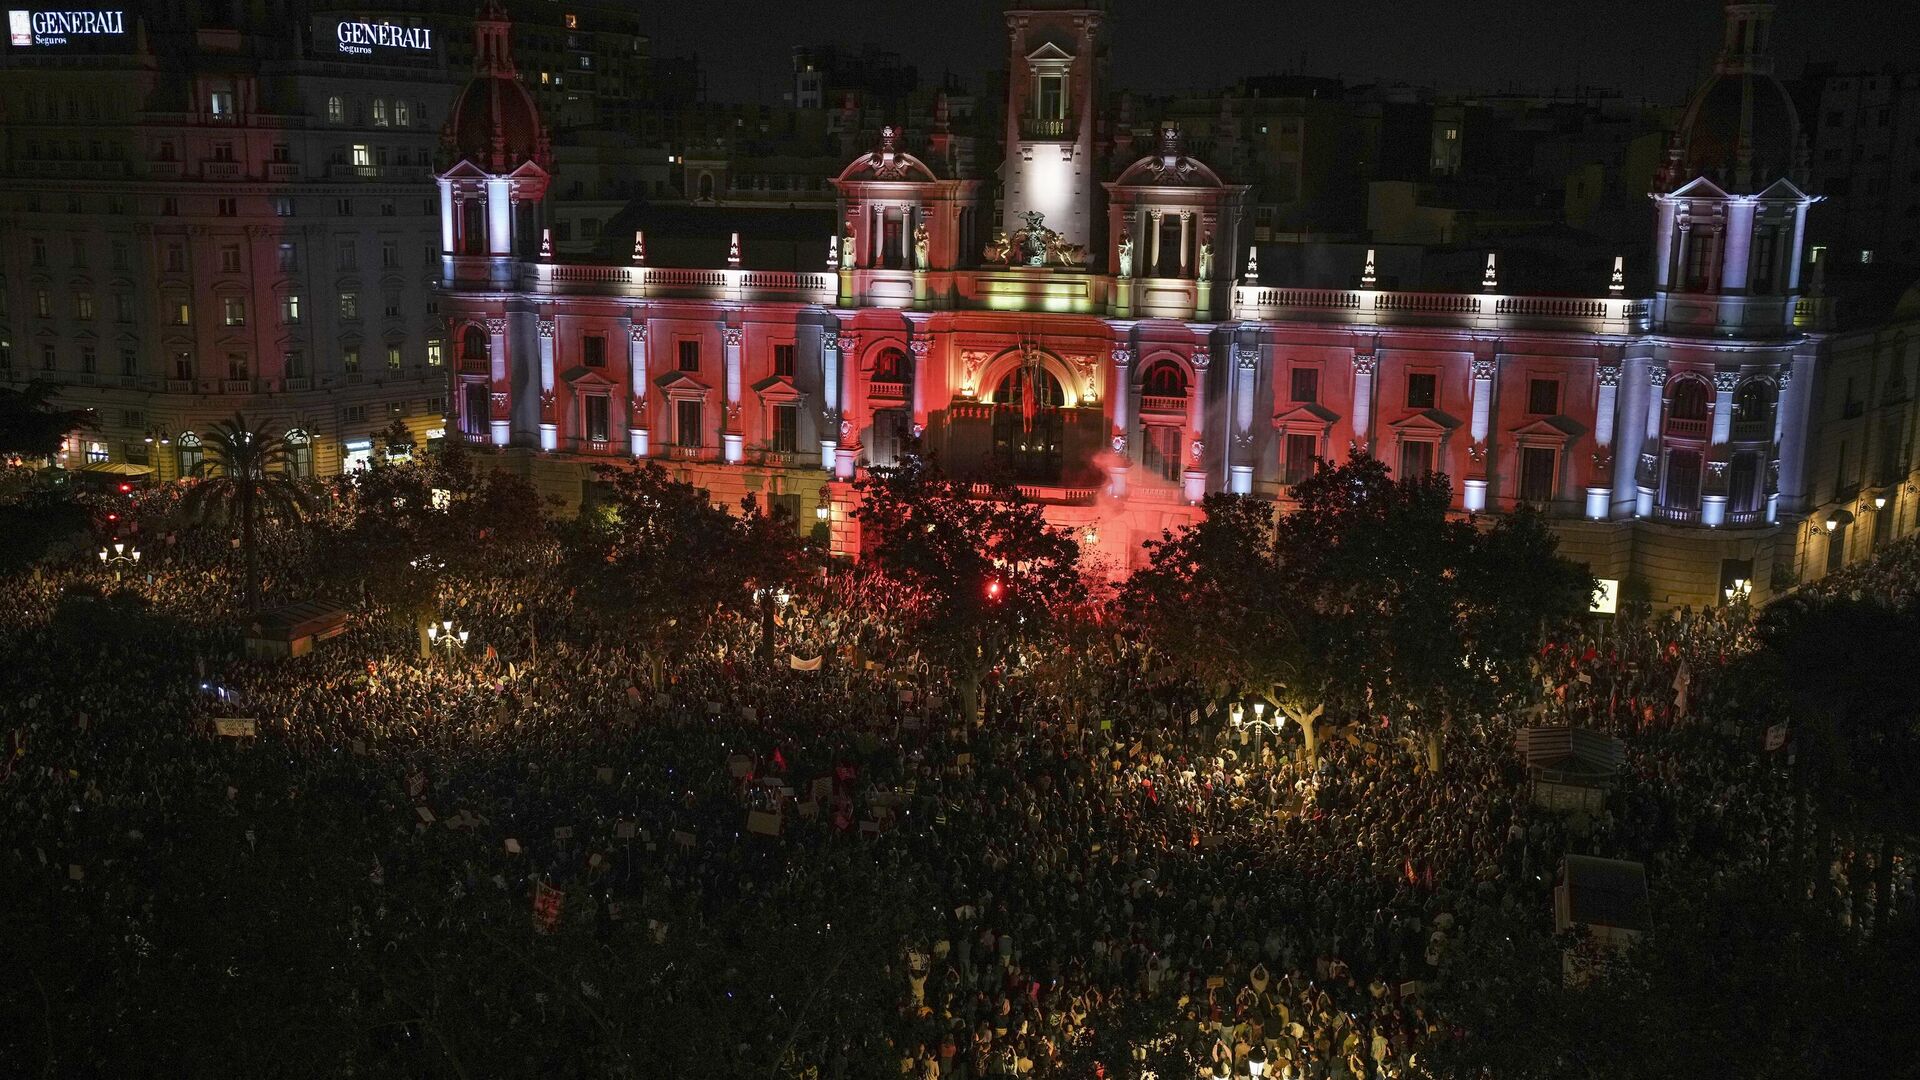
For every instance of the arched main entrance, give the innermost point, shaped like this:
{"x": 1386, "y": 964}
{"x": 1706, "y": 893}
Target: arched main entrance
{"x": 1028, "y": 425}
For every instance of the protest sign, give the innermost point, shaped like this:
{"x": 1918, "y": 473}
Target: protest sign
{"x": 739, "y": 765}
{"x": 234, "y": 728}
{"x": 426, "y": 815}
{"x": 547, "y": 903}
{"x": 794, "y": 662}
{"x": 623, "y": 830}
{"x": 763, "y": 823}
{"x": 604, "y": 774}
{"x": 684, "y": 839}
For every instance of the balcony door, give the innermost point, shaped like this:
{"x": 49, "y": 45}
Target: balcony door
{"x": 1028, "y": 426}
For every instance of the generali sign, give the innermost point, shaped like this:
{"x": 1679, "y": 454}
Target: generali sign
{"x": 26, "y": 27}
{"x": 361, "y": 38}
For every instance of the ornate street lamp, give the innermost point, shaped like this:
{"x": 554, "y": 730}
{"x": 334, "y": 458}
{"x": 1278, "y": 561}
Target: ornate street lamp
{"x": 119, "y": 556}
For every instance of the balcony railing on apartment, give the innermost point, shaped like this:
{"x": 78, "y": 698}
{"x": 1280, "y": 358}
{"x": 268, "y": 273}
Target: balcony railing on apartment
{"x": 677, "y": 452}
{"x": 1035, "y": 127}
{"x": 1592, "y": 314}
{"x": 1677, "y": 515}
{"x": 1752, "y": 430}
{"x": 1163, "y": 403}
{"x": 1687, "y": 429}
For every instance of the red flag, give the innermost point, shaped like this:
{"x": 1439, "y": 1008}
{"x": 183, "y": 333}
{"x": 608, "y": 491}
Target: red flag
{"x": 547, "y": 902}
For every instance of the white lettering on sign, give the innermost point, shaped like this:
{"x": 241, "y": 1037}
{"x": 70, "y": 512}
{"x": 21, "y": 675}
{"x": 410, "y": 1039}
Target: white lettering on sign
{"x": 55, "y": 27}
{"x": 360, "y": 38}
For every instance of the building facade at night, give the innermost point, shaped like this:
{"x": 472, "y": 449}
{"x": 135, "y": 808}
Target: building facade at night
{"x": 1667, "y": 436}
{"x": 222, "y": 208}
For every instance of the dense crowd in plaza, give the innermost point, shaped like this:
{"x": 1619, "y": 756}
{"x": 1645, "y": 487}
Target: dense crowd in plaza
{"x": 1090, "y": 871}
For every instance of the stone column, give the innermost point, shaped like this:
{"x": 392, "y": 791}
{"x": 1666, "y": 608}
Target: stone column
{"x": 1787, "y": 439}
{"x": 1600, "y": 494}
{"x": 1240, "y": 470}
{"x": 637, "y": 434}
{"x": 830, "y": 397}
{"x": 499, "y": 217}
{"x": 1363, "y": 368}
{"x": 1473, "y": 489}
{"x": 1648, "y": 482}
{"x": 1121, "y": 422}
{"x": 1195, "y": 477}
{"x": 549, "y": 407}
{"x": 919, "y": 347}
{"x": 850, "y": 412}
{"x": 1663, "y": 260}
{"x": 732, "y": 439}
{"x": 1799, "y": 245}
{"x": 1713, "y": 495}
{"x": 1153, "y": 225}
{"x": 1186, "y": 242}
{"x": 448, "y": 216}
{"x": 499, "y": 419}
{"x": 1733, "y": 267}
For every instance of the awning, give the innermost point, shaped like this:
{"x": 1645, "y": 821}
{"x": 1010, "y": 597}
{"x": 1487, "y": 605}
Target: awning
{"x": 116, "y": 468}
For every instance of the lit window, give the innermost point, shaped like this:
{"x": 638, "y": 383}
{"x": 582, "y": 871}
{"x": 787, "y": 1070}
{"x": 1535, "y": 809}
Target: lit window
{"x": 350, "y": 359}
{"x": 43, "y": 303}
{"x": 402, "y": 116}
{"x": 181, "y": 311}
{"x": 433, "y": 353}
{"x": 349, "y": 305}
{"x": 379, "y": 112}
{"x": 221, "y": 104}
{"x": 290, "y": 308}
{"x": 234, "y": 311}
{"x": 83, "y": 305}
{"x": 336, "y": 110}
{"x": 362, "y": 156}
{"x": 1866, "y": 256}
{"x": 393, "y": 358}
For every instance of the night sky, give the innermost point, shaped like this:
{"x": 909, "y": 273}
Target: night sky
{"x": 1655, "y": 48}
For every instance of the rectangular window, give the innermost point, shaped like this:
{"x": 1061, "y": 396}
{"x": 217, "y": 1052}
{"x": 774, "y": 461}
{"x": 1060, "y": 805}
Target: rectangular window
{"x": 79, "y": 253}
{"x": 336, "y": 111}
{"x": 229, "y": 207}
{"x": 1543, "y": 397}
{"x": 786, "y": 428}
{"x": 183, "y": 365}
{"x": 1306, "y": 385}
{"x": 596, "y": 410}
{"x": 295, "y": 362}
{"x": 689, "y": 356}
{"x": 1420, "y": 389}
{"x": 123, "y": 307}
{"x": 129, "y": 362}
{"x": 389, "y": 255}
{"x": 170, "y": 206}
{"x": 1416, "y": 459}
{"x": 350, "y": 359}
{"x": 47, "y": 357}
{"x": 354, "y": 414}
{"x": 593, "y": 351}
{"x": 220, "y": 103}
{"x": 1160, "y": 450}
{"x": 290, "y": 308}
{"x": 393, "y": 358}
{"x": 1536, "y": 474}
{"x": 349, "y": 305}
{"x": 1300, "y": 450}
{"x": 783, "y": 360}
{"x": 83, "y": 305}
{"x": 282, "y": 206}
{"x": 176, "y": 258}
{"x": 237, "y": 367}
{"x": 89, "y": 359}
{"x": 1050, "y": 103}
{"x": 346, "y": 256}
{"x": 401, "y": 116}
{"x": 686, "y": 416}
{"x": 233, "y": 311}
{"x": 230, "y": 258}
{"x": 37, "y": 252}
{"x": 362, "y": 156}
{"x": 179, "y": 310}
{"x": 379, "y": 112}
{"x": 435, "y": 355}
{"x": 43, "y": 303}
{"x": 122, "y": 255}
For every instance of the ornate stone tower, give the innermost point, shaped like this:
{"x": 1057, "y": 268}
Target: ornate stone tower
{"x": 498, "y": 162}
{"x": 1731, "y": 209}
{"x": 1056, "y": 67}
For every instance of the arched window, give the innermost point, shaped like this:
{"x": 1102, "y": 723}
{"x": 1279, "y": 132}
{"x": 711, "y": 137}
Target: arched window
{"x": 890, "y": 366}
{"x": 706, "y": 187}
{"x": 1689, "y": 401}
{"x": 1164, "y": 379}
{"x": 1023, "y": 384}
{"x": 1753, "y": 410}
{"x": 336, "y": 110}
{"x": 379, "y": 112}
{"x": 473, "y": 344}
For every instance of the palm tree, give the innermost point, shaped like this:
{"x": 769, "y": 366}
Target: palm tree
{"x": 244, "y": 478}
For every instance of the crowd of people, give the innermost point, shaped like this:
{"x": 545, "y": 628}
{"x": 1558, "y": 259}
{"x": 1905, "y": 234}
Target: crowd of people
{"x": 1099, "y": 879}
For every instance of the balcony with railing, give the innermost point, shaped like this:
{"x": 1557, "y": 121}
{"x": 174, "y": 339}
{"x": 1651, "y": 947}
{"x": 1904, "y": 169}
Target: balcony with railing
{"x": 221, "y": 170}
{"x": 282, "y": 171}
{"x": 1600, "y": 315}
{"x": 1039, "y": 127}
{"x": 1677, "y": 515}
{"x": 886, "y": 390}
{"x": 1164, "y": 404}
{"x": 667, "y": 282}
{"x": 676, "y": 452}
{"x": 236, "y": 386}
{"x": 774, "y": 459}
{"x": 1044, "y": 493}
{"x": 1752, "y": 430}
{"x": 1687, "y": 429}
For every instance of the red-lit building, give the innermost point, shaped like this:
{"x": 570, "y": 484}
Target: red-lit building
{"x": 1110, "y": 345}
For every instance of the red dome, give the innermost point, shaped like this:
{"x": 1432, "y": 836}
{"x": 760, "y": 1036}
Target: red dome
{"x": 496, "y": 126}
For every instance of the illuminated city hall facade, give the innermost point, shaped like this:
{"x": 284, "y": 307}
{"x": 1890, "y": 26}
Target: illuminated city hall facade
{"x": 1108, "y": 344}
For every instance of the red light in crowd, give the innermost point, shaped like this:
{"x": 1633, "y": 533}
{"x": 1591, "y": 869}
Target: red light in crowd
{"x": 993, "y": 589}
{"x": 126, "y": 488}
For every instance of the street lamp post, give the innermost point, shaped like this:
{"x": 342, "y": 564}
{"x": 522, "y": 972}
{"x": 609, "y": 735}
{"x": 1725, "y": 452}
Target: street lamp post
{"x": 119, "y": 556}
{"x": 1258, "y": 722}
{"x": 445, "y": 635}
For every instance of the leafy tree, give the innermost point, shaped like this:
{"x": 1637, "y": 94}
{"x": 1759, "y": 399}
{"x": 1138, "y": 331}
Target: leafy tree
{"x": 1211, "y": 600}
{"x": 244, "y": 480}
{"x": 1842, "y": 669}
{"x": 400, "y": 526}
{"x": 978, "y": 572}
{"x": 31, "y": 426}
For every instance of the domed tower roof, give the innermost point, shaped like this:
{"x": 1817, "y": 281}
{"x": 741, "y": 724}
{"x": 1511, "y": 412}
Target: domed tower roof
{"x": 495, "y": 124}
{"x": 1741, "y": 130}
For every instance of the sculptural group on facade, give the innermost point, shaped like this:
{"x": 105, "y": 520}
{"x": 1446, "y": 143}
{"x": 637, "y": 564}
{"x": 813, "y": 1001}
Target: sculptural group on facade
{"x": 1035, "y": 245}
